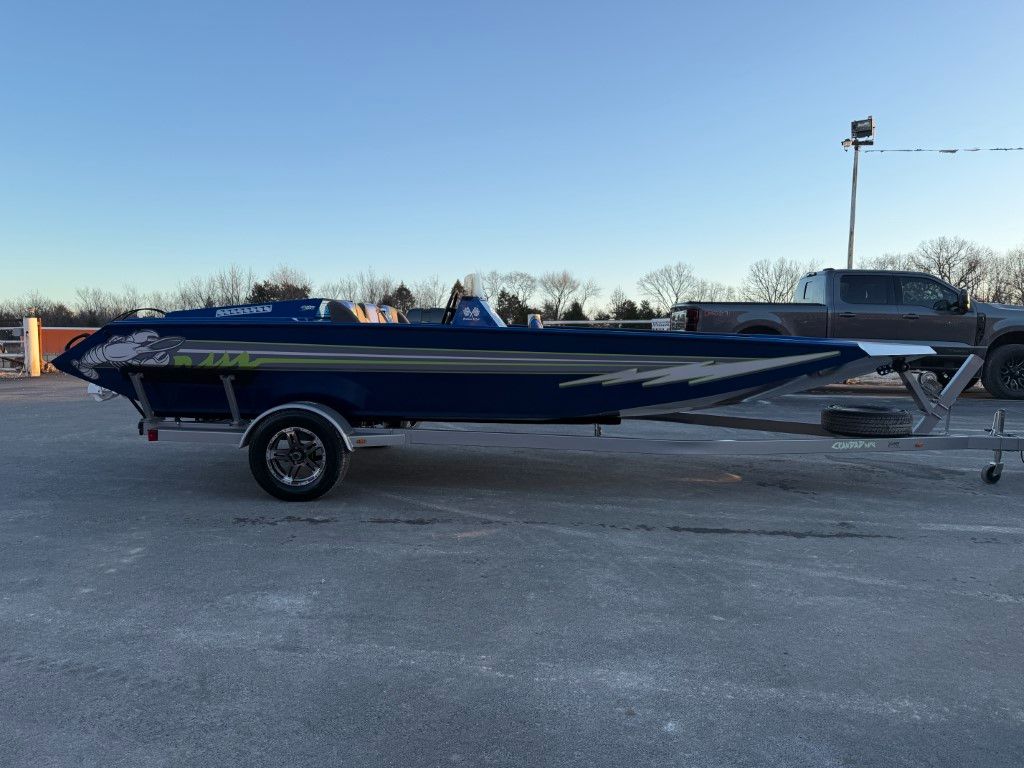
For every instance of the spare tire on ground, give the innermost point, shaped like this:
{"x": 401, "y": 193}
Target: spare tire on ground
{"x": 866, "y": 421}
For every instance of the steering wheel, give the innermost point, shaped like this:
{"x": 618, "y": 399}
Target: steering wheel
{"x": 451, "y": 306}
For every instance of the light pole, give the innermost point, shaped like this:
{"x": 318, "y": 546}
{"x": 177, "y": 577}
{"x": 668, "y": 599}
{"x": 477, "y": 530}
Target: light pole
{"x": 862, "y": 133}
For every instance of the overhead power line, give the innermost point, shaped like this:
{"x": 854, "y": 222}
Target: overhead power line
{"x": 952, "y": 151}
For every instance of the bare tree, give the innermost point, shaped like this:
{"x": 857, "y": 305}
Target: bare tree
{"x": 346, "y": 287}
{"x": 522, "y": 285}
{"x": 161, "y": 300}
{"x": 588, "y": 290}
{"x": 955, "y": 260}
{"x": 284, "y": 274}
{"x": 11, "y": 312}
{"x": 129, "y": 298}
{"x": 493, "y": 283}
{"x": 711, "y": 290}
{"x": 558, "y": 289}
{"x": 621, "y": 307}
{"x": 900, "y": 262}
{"x": 37, "y": 305}
{"x": 1014, "y": 265}
{"x": 668, "y": 285}
{"x": 615, "y": 300}
{"x": 430, "y": 292}
{"x": 365, "y": 286}
{"x": 232, "y": 284}
{"x": 374, "y": 287}
{"x": 958, "y": 261}
{"x": 194, "y": 293}
{"x": 228, "y": 286}
{"x": 773, "y": 281}
{"x": 1004, "y": 278}
{"x": 95, "y": 304}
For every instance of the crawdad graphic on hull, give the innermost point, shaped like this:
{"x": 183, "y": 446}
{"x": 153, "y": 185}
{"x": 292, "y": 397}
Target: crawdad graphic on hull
{"x": 146, "y": 348}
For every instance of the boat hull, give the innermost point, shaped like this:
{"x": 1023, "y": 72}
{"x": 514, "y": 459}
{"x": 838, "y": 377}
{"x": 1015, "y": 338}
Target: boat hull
{"x": 374, "y": 372}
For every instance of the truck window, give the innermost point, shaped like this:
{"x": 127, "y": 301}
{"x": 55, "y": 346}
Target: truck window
{"x": 810, "y": 290}
{"x": 925, "y": 292}
{"x": 866, "y": 289}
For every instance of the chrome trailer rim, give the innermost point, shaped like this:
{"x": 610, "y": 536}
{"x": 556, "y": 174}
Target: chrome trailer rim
{"x": 296, "y": 457}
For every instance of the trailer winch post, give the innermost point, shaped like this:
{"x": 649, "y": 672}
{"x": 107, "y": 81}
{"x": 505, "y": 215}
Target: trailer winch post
{"x": 938, "y": 408}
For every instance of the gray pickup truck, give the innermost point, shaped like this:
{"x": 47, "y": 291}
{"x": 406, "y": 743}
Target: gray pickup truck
{"x": 895, "y": 306}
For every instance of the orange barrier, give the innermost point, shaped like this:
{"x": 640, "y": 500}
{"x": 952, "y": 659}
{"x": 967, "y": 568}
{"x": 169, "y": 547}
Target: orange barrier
{"x": 53, "y": 340}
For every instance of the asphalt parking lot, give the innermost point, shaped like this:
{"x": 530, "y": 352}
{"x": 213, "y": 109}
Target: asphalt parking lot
{"x": 481, "y": 607}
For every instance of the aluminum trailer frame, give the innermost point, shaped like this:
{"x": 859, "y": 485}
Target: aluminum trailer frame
{"x": 933, "y": 410}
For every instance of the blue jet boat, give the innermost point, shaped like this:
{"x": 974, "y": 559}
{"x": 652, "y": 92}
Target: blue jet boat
{"x": 372, "y": 366}
{"x": 301, "y": 384}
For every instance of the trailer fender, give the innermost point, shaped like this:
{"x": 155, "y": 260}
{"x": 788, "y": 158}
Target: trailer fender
{"x": 336, "y": 420}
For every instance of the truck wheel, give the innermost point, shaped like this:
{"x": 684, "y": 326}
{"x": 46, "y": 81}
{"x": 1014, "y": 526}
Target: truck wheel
{"x": 297, "y": 456}
{"x": 866, "y": 421}
{"x": 1003, "y": 375}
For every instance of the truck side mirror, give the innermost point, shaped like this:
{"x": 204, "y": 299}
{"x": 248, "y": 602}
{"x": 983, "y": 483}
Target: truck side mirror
{"x": 965, "y": 301}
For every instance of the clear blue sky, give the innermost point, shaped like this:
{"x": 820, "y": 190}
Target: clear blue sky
{"x": 145, "y": 142}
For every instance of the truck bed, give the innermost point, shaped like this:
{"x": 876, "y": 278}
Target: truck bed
{"x": 788, "y": 319}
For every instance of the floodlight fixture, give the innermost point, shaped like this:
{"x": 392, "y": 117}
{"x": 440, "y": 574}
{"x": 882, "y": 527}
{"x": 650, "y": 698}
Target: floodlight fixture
{"x": 863, "y": 129}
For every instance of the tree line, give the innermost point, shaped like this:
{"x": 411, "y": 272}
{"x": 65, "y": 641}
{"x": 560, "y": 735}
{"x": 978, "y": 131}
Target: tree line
{"x": 559, "y": 294}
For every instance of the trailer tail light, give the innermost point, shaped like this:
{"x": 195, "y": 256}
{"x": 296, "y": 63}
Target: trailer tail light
{"x": 153, "y": 435}
{"x": 692, "y": 316}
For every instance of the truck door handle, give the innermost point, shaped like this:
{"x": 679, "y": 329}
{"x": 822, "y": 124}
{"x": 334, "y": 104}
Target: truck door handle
{"x": 910, "y": 316}
{"x": 847, "y": 314}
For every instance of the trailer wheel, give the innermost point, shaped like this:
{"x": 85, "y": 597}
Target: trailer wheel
{"x": 297, "y": 456}
{"x": 991, "y": 474}
{"x": 866, "y": 421}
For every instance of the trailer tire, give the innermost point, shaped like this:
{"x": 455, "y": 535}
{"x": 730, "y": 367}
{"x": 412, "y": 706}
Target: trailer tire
{"x": 1003, "y": 375}
{"x": 297, "y": 455}
{"x": 866, "y": 421}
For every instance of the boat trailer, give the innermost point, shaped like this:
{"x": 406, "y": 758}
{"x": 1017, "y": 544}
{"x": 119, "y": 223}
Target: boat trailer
{"x": 303, "y": 444}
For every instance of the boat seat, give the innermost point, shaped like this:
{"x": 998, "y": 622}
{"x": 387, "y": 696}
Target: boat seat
{"x": 370, "y": 312}
{"x": 345, "y": 312}
{"x": 392, "y": 314}
{"x": 364, "y": 312}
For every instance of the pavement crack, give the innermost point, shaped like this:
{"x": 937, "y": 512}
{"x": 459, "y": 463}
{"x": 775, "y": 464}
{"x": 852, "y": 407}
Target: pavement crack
{"x": 789, "y": 534}
{"x": 286, "y": 519}
{"x": 405, "y": 520}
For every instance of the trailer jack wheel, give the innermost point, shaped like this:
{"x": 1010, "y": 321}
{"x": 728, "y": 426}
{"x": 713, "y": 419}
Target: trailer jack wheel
{"x": 992, "y": 473}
